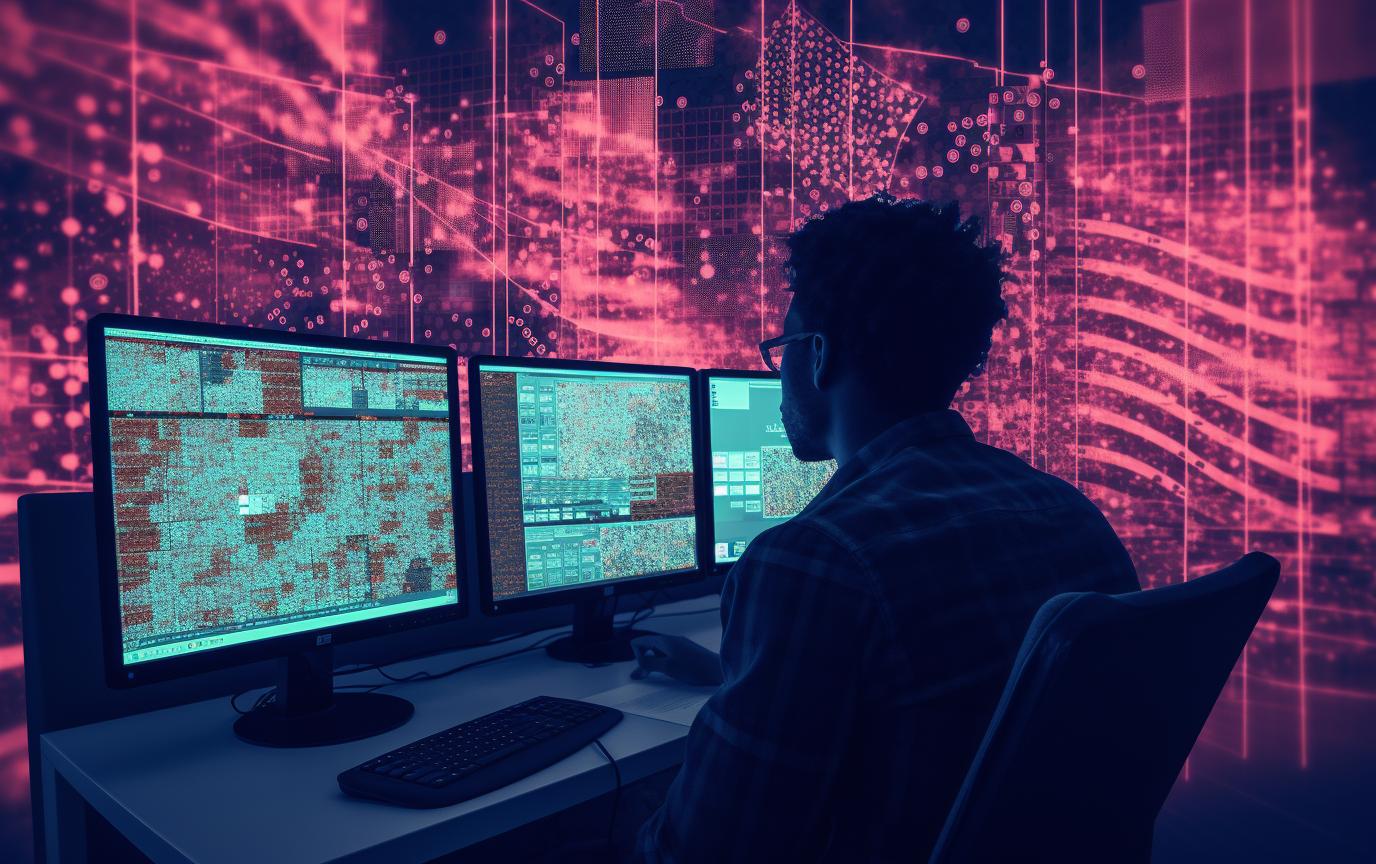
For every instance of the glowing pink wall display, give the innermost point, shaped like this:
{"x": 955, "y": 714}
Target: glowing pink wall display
{"x": 1178, "y": 186}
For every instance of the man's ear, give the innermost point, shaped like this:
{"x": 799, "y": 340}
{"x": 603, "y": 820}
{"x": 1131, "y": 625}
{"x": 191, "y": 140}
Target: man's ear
{"x": 823, "y": 360}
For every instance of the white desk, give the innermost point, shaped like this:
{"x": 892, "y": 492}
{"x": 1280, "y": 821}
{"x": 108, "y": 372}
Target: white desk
{"x": 182, "y": 788}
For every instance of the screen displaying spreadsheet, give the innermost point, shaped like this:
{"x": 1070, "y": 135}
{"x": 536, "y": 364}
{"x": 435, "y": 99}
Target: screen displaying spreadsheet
{"x": 263, "y": 488}
{"x": 589, "y": 476}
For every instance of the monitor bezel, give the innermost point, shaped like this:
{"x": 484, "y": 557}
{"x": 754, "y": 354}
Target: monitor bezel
{"x": 120, "y": 675}
{"x": 705, "y": 377}
{"x": 566, "y": 596}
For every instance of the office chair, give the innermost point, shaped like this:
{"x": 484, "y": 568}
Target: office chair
{"x": 1106, "y": 698}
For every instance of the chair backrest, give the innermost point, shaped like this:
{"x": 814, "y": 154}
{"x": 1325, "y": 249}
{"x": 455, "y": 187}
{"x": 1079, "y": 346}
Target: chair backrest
{"x": 1105, "y": 701}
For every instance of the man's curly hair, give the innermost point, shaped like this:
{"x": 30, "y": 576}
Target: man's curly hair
{"x": 903, "y": 287}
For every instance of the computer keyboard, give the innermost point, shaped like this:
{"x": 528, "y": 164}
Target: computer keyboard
{"x": 475, "y": 757}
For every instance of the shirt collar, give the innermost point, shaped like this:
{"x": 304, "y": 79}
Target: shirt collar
{"x": 915, "y": 431}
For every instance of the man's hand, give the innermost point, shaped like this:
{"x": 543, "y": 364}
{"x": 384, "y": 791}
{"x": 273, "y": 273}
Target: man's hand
{"x": 679, "y": 658}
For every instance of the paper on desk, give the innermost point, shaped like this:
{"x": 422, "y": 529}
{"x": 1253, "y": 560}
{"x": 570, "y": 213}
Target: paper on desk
{"x": 673, "y": 702}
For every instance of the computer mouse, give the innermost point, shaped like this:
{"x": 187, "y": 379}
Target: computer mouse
{"x": 677, "y": 658}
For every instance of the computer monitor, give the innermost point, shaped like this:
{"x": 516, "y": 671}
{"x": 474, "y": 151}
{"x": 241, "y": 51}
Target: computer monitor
{"x": 756, "y": 482}
{"x": 263, "y": 494}
{"x": 585, "y": 487}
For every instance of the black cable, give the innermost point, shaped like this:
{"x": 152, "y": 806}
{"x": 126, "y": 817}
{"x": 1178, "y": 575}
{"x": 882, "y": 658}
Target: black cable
{"x": 616, "y": 797}
{"x": 368, "y": 667}
{"x": 432, "y": 676}
{"x": 715, "y": 608}
{"x": 270, "y": 695}
{"x": 234, "y": 701}
{"x": 645, "y": 612}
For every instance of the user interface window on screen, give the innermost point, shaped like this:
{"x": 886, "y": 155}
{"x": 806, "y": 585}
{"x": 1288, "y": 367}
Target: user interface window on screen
{"x": 757, "y": 482}
{"x": 589, "y": 476}
{"x": 262, "y": 489}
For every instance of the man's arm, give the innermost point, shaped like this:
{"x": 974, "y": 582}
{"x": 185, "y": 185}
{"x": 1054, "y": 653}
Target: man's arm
{"x": 764, "y": 751}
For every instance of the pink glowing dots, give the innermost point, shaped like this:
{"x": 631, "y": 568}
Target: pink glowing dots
{"x": 962, "y": 25}
{"x": 1139, "y": 71}
{"x": 441, "y": 37}
{"x": 71, "y": 227}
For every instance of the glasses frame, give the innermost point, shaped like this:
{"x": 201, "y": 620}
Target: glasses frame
{"x": 779, "y": 341}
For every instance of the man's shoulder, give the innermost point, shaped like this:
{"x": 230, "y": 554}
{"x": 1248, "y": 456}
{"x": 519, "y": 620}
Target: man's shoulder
{"x": 804, "y": 547}
{"x": 924, "y": 496}
{"x": 800, "y": 539}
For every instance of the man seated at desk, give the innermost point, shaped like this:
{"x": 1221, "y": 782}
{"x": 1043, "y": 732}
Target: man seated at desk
{"x": 866, "y": 642}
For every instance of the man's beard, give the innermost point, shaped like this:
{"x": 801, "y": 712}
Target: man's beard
{"x": 804, "y": 432}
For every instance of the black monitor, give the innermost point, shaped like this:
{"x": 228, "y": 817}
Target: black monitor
{"x": 269, "y": 495}
{"x": 755, "y": 481}
{"x": 586, "y": 487}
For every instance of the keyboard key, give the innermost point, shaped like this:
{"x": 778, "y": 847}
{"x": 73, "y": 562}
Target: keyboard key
{"x": 498, "y": 755}
{"x": 460, "y": 762}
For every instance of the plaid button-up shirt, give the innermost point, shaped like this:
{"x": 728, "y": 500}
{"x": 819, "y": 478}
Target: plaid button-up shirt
{"x": 865, "y": 643}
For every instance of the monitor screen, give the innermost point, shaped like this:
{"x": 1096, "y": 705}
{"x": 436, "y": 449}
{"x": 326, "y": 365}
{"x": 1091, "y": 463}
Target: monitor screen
{"x": 264, "y": 488}
{"x": 757, "y": 482}
{"x": 588, "y": 476}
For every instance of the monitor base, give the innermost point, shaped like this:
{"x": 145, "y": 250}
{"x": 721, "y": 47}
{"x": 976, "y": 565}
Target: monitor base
{"x": 349, "y": 717}
{"x": 614, "y": 649}
{"x": 309, "y": 712}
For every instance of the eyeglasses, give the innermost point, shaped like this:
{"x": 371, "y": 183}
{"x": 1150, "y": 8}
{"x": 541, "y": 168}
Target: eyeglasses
{"x": 772, "y": 350}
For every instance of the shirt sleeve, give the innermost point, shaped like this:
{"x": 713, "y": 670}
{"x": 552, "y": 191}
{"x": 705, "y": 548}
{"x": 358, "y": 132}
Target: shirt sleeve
{"x": 763, "y": 754}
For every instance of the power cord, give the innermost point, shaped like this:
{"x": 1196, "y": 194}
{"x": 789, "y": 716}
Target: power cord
{"x": 432, "y": 676}
{"x": 647, "y": 611}
{"x": 715, "y": 608}
{"x": 616, "y": 797}
{"x": 367, "y": 667}
{"x": 267, "y": 697}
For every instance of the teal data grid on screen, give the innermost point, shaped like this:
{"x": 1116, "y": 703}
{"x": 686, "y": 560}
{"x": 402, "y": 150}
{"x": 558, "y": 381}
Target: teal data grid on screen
{"x": 757, "y": 482}
{"x": 589, "y": 476}
{"x": 263, "y": 488}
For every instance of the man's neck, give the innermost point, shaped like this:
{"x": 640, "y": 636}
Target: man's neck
{"x": 853, "y": 428}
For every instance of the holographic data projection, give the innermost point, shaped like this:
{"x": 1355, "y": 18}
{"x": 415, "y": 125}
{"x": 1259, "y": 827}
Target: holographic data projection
{"x": 1184, "y": 188}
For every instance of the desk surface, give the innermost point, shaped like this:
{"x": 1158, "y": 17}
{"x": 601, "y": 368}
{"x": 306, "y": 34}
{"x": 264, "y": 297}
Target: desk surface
{"x": 183, "y": 788}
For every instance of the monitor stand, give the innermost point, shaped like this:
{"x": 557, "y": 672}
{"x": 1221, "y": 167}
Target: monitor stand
{"x": 594, "y": 638}
{"x": 309, "y": 712}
